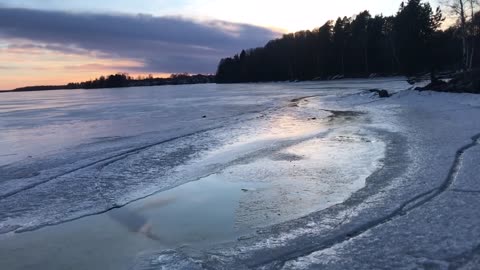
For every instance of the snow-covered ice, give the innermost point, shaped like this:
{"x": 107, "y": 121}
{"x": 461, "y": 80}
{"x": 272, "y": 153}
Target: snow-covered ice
{"x": 261, "y": 175}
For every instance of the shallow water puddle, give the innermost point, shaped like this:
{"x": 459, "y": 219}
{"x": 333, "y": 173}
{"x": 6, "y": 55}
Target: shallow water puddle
{"x": 261, "y": 191}
{"x": 200, "y": 212}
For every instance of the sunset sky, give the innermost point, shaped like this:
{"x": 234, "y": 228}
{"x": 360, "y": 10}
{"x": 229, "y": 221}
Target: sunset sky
{"x": 59, "y": 41}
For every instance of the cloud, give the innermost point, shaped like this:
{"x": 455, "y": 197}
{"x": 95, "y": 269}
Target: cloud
{"x": 22, "y": 47}
{"x": 99, "y": 66}
{"x": 163, "y": 44}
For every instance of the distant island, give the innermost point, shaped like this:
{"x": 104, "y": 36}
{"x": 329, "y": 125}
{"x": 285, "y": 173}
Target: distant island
{"x": 124, "y": 80}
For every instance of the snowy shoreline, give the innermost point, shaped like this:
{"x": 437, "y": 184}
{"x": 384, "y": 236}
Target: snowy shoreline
{"x": 413, "y": 188}
{"x": 401, "y": 208}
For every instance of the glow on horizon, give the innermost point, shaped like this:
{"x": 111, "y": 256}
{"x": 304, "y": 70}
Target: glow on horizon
{"x": 27, "y": 67}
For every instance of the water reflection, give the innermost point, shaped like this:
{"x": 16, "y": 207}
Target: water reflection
{"x": 135, "y": 220}
{"x": 287, "y": 126}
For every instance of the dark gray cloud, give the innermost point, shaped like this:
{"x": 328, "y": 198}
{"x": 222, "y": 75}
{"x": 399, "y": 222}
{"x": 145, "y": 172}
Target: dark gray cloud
{"x": 164, "y": 44}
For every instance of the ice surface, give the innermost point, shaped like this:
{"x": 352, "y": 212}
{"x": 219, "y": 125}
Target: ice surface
{"x": 72, "y": 154}
{"x": 67, "y": 154}
{"x": 419, "y": 210}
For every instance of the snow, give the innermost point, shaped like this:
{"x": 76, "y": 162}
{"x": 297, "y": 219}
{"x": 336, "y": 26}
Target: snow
{"x": 338, "y": 162}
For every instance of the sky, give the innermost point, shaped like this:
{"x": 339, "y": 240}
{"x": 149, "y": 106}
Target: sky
{"x": 58, "y": 41}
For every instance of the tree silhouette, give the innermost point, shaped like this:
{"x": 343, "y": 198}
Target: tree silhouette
{"x": 408, "y": 43}
{"x": 124, "y": 80}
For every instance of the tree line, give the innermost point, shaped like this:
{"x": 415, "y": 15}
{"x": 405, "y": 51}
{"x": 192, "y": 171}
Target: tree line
{"x": 124, "y": 80}
{"x": 409, "y": 42}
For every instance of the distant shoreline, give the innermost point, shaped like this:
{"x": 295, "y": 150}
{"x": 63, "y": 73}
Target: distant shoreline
{"x": 65, "y": 87}
{"x": 121, "y": 81}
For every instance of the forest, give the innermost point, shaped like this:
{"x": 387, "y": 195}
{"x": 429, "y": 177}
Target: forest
{"x": 413, "y": 41}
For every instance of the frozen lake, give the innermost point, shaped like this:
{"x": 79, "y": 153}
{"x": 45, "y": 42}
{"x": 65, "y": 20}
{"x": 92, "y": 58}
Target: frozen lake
{"x": 225, "y": 160}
